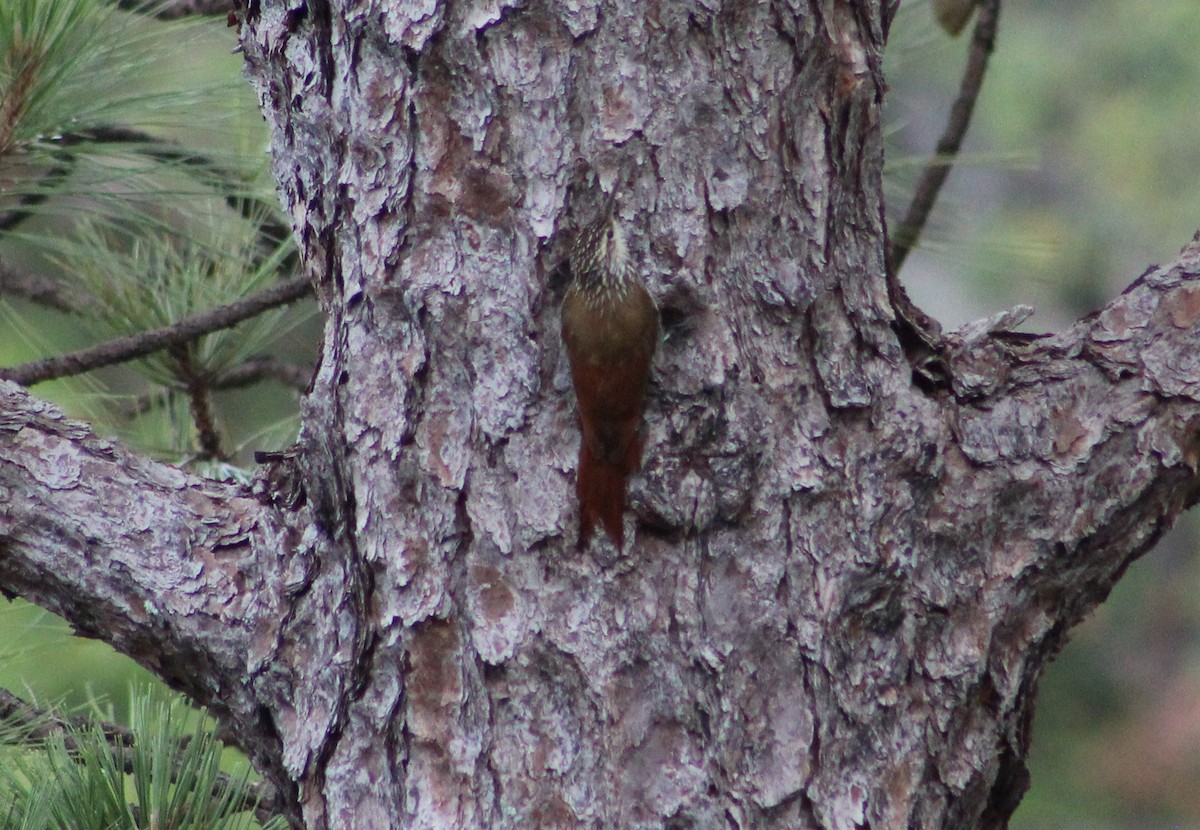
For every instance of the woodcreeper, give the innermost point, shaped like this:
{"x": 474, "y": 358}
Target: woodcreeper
{"x": 610, "y": 327}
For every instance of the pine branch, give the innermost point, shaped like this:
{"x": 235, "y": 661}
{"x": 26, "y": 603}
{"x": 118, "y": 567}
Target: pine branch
{"x": 258, "y": 369}
{"x": 929, "y": 185}
{"x": 51, "y": 179}
{"x": 123, "y": 349}
{"x": 36, "y": 724}
{"x": 252, "y": 371}
{"x": 199, "y": 390}
{"x": 44, "y": 291}
{"x": 151, "y": 146}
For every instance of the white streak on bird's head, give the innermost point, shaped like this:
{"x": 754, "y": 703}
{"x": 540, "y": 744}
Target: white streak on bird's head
{"x": 599, "y": 258}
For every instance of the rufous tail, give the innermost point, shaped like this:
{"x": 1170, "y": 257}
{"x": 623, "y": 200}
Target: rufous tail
{"x": 600, "y": 486}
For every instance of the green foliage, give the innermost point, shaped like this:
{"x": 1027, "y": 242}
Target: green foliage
{"x": 170, "y": 778}
{"x": 138, "y": 229}
{"x": 132, "y": 179}
{"x": 80, "y": 83}
{"x": 58, "y": 70}
{"x": 147, "y": 280}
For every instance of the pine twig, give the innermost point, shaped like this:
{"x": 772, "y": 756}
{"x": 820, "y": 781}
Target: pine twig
{"x": 123, "y": 349}
{"x": 251, "y": 371}
{"x": 38, "y": 724}
{"x": 44, "y": 291}
{"x": 908, "y": 232}
{"x": 258, "y": 369}
{"x": 198, "y": 390}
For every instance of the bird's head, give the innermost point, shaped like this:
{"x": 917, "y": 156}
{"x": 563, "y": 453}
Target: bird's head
{"x": 600, "y": 255}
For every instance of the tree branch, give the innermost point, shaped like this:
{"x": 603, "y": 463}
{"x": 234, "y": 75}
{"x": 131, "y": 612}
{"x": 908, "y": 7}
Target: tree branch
{"x": 36, "y": 724}
{"x": 123, "y": 349}
{"x": 934, "y": 175}
{"x": 1098, "y": 425}
{"x": 257, "y": 369}
{"x": 44, "y": 291}
{"x": 187, "y": 576}
{"x": 198, "y": 390}
{"x": 252, "y": 371}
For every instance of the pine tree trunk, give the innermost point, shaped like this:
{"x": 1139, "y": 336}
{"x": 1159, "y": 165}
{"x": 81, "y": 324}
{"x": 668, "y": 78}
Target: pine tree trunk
{"x": 842, "y": 578}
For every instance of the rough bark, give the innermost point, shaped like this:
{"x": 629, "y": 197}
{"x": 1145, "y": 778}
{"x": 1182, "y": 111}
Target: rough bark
{"x": 843, "y": 577}
{"x": 190, "y": 577}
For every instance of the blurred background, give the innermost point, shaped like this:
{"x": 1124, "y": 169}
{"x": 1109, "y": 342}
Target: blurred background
{"x": 1081, "y": 169}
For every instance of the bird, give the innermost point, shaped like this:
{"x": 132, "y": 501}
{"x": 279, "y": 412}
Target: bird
{"x": 610, "y": 326}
